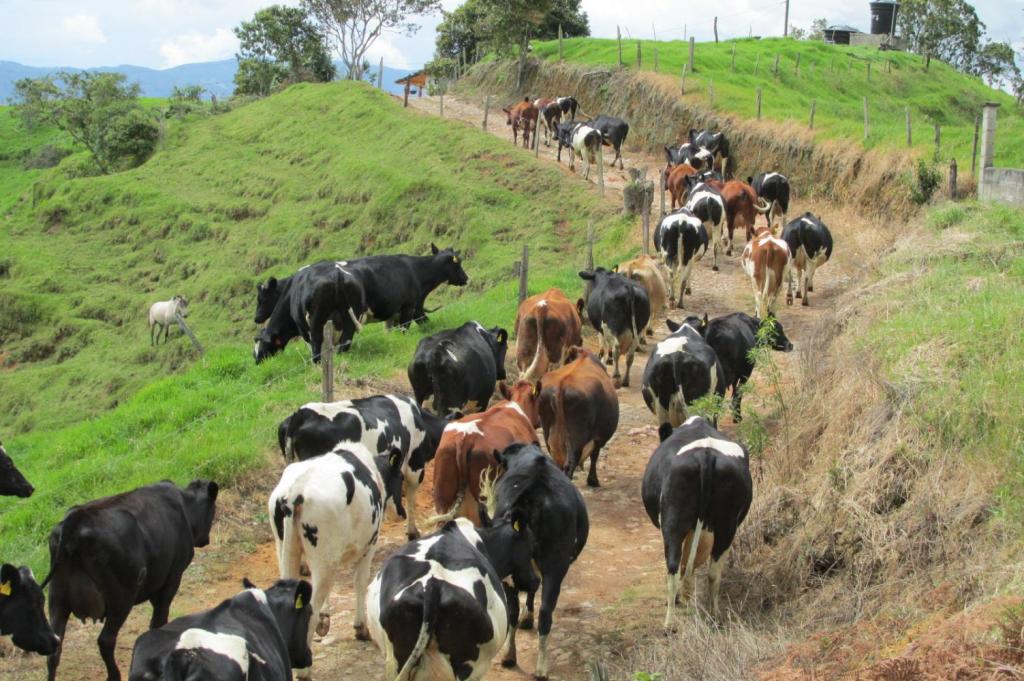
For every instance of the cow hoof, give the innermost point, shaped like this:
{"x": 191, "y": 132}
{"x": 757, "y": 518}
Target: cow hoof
{"x": 688, "y": 291}
{"x": 526, "y": 624}
{"x": 593, "y": 483}
{"x": 810, "y": 289}
{"x": 324, "y": 625}
{"x": 649, "y": 332}
{"x": 798, "y": 295}
{"x": 714, "y": 268}
{"x": 537, "y": 677}
{"x": 509, "y": 662}
{"x": 608, "y": 361}
{"x": 362, "y": 633}
{"x": 806, "y": 303}
{"x": 304, "y": 570}
{"x": 679, "y": 305}
{"x": 412, "y": 536}
{"x": 617, "y": 382}
{"x": 789, "y": 300}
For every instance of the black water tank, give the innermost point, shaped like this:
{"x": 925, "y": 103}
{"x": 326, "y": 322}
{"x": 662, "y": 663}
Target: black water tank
{"x": 883, "y": 17}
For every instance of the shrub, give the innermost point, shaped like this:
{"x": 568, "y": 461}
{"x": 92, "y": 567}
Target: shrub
{"x": 928, "y": 179}
{"x": 48, "y": 156}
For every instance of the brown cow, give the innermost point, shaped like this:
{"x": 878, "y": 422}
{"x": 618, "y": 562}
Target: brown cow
{"x": 579, "y": 412}
{"x": 467, "y": 447}
{"x": 742, "y": 205}
{"x": 550, "y": 114}
{"x": 675, "y": 182}
{"x": 645, "y": 270}
{"x": 766, "y": 261}
{"x": 523, "y": 114}
{"x": 547, "y": 324}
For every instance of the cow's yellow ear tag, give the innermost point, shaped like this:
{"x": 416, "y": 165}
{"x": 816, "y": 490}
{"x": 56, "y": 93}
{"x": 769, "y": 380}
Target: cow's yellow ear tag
{"x": 5, "y": 589}
{"x": 515, "y": 525}
{"x": 298, "y": 603}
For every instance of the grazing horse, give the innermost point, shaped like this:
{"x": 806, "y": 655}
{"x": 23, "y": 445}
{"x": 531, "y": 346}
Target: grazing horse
{"x": 163, "y": 314}
{"x": 523, "y": 114}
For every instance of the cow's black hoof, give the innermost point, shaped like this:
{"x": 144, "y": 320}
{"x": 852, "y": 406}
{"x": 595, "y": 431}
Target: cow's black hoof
{"x": 688, "y": 291}
{"x": 679, "y": 305}
{"x": 650, "y": 332}
{"x": 806, "y": 303}
{"x": 304, "y": 570}
{"x": 593, "y": 482}
{"x": 526, "y": 624}
{"x": 798, "y": 295}
{"x": 608, "y": 361}
{"x": 537, "y": 677}
{"x": 810, "y": 289}
{"x": 509, "y": 663}
{"x": 412, "y": 536}
{"x": 362, "y": 633}
{"x": 323, "y": 627}
{"x": 714, "y": 268}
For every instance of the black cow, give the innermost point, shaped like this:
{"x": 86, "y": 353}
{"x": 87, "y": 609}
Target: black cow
{"x": 533, "y": 485}
{"x": 12, "y": 482}
{"x": 732, "y": 337}
{"x": 447, "y": 589}
{"x": 21, "y": 611}
{"x": 256, "y": 635}
{"x": 716, "y": 143}
{"x": 268, "y": 295}
{"x": 569, "y": 106}
{"x": 111, "y": 554}
{"x": 697, "y": 485}
{"x": 459, "y": 367}
{"x": 383, "y": 423}
{"x": 691, "y": 154}
{"x": 618, "y": 309}
{"x": 810, "y": 244}
{"x": 773, "y": 188}
{"x": 680, "y": 239}
{"x": 706, "y": 202}
{"x": 317, "y": 294}
{"x": 683, "y": 368}
{"x": 613, "y": 134}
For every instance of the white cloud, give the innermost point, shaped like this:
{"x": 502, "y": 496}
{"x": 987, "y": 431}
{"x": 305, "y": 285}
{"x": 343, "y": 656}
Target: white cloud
{"x": 198, "y": 47}
{"x": 385, "y": 47}
{"x": 85, "y": 28}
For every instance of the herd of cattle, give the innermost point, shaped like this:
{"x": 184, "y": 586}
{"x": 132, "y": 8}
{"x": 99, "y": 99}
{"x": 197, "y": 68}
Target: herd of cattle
{"x": 445, "y": 604}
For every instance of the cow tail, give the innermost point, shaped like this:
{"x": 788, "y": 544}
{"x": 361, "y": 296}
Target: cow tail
{"x": 431, "y": 606}
{"x": 706, "y": 466}
{"x": 535, "y": 370}
{"x": 462, "y": 454}
{"x": 632, "y": 317}
{"x": 66, "y": 545}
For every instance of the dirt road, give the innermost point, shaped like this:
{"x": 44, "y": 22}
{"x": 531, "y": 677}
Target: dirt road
{"x": 612, "y": 598}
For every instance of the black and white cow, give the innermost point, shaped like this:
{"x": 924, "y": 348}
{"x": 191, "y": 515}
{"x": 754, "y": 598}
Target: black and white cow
{"x": 618, "y": 309}
{"x": 268, "y": 294}
{"x": 613, "y": 133}
{"x": 732, "y": 337}
{"x": 716, "y": 143}
{"x": 437, "y": 609}
{"x": 697, "y": 490}
{"x": 705, "y": 201}
{"x": 12, "y": 482}
{"x": 810, "y": 244}
{"x": 317, "y": 294}
{"x": 256, "y": 635}
{"x": 459, "y": 367}
{"x": 682, "y": 369}
{"x": 328, "y": 510}
{"x": 111, "y": 554}
{"x": 773, "y": 188}
{"x": 581, "y": 139}
{"x": 21, "y": 611}
{"x": 569, "y": 106}
{"x": 534, "y": 487}
{"x": 382, "y": 423}
{"x": 689, "y": 153}
{"x": 680, "y": 239}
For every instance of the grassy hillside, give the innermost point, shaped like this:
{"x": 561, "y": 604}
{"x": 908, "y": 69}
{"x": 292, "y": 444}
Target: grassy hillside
{"x": 338, "y": 170}
{"x": 834, "y": 76}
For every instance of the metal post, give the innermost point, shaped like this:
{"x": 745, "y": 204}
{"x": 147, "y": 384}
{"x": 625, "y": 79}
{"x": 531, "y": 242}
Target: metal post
{"x": 524, "y": 269}
{"x": 487, "y": 108}
{"x": 758, "y": 103}
{"x": 865, "y": 118}
{"x": 814, "y": 105}
{"x": 785, "y": 26}
{"x": 693, "y": 47}
{"x": 974, "y": 150}
{"x": 952, "y": 179}
{"x": 909, "y": 138}
{"x": 327, "y": 362}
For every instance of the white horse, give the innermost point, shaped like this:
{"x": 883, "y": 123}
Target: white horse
{"x": 163, "y": 314}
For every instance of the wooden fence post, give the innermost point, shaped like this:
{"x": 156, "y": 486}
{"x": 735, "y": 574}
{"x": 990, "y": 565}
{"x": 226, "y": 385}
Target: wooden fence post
{"x": 188, "y": 332}
{"x": 380, "y": 75}
{"x": 757, "y": 63}
{"x": 589, "y": 285}
{"x": 487, "y": 108}
{"x": 600, "y": 169}
{"x": 618, "y": 35}
{"x": 655, "y": 59}
{"x": 639, "y": 57}
{"x": 524, "y": 273}
{"x": 536, "y": 137}
{"x": 442, "y": 103}
{"x": 682, "y": 82}
{"x": 814, "y": 105}
{"x": 645, "y": 219}
{"x": 733, "y": 67}
{"x": 974, "y": 150}
{"x": 327, "y": 361}
{"x": 796, "y": 71}
{"x": 775, "y": 69}
{"x": 405, "y": 99}
{"x": 661, "y": 192}
{"x": 909, "y": 138}
{"x": 865, "y": 118}
{"x": 693, "y": 47}
{"x": 560, "y": 57}
{"x": 952, "y": 179}
{"x": 759, "y": 103}
{"x": 938, "y": 140}
{"x": 711, "y": 93}
{"x": 869, "y": 72}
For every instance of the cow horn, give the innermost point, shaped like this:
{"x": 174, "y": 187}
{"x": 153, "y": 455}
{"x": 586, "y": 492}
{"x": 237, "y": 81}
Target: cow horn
{"x": 762, "y": 205}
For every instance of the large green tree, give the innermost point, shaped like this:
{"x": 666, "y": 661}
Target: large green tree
{"x": 100, "y": 111}
{"x": 280, "y": 45}
{"x": 949, "y": 30}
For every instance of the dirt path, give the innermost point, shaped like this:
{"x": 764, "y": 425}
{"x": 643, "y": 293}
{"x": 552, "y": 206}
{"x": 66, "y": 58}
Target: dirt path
{"x": 612, "y": 598}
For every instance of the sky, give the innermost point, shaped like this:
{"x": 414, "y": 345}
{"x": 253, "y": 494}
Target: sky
{"x": 165, "y": 33}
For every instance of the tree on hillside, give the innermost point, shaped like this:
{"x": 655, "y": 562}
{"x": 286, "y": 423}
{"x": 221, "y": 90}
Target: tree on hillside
{"x": 509, "y": 24}
{"x": 568, "y": 14}
{"x": 354, "y": 25}
{"x": 817, "y": 31}
{"x": 279, "y": 45}
{"x": 997, "y": 64}
{"x": 100, "y": 111}
{"x": 949, "y": 30}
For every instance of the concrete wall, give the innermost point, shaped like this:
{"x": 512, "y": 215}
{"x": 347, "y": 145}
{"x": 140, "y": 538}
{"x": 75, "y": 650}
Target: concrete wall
{"x": 869, "y": 40}
{"x": 1005, "y": 185}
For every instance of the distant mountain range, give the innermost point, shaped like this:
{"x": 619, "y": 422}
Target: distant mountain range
{"x": 216, "y": 77}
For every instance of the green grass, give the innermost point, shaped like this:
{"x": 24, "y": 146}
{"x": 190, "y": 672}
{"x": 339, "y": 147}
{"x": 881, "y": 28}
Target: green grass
{"x": 952, "y": 340}
{"x": 834, "y": 76}
{"x": 16, "y": 144}
{"x": 338, "y": 170}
